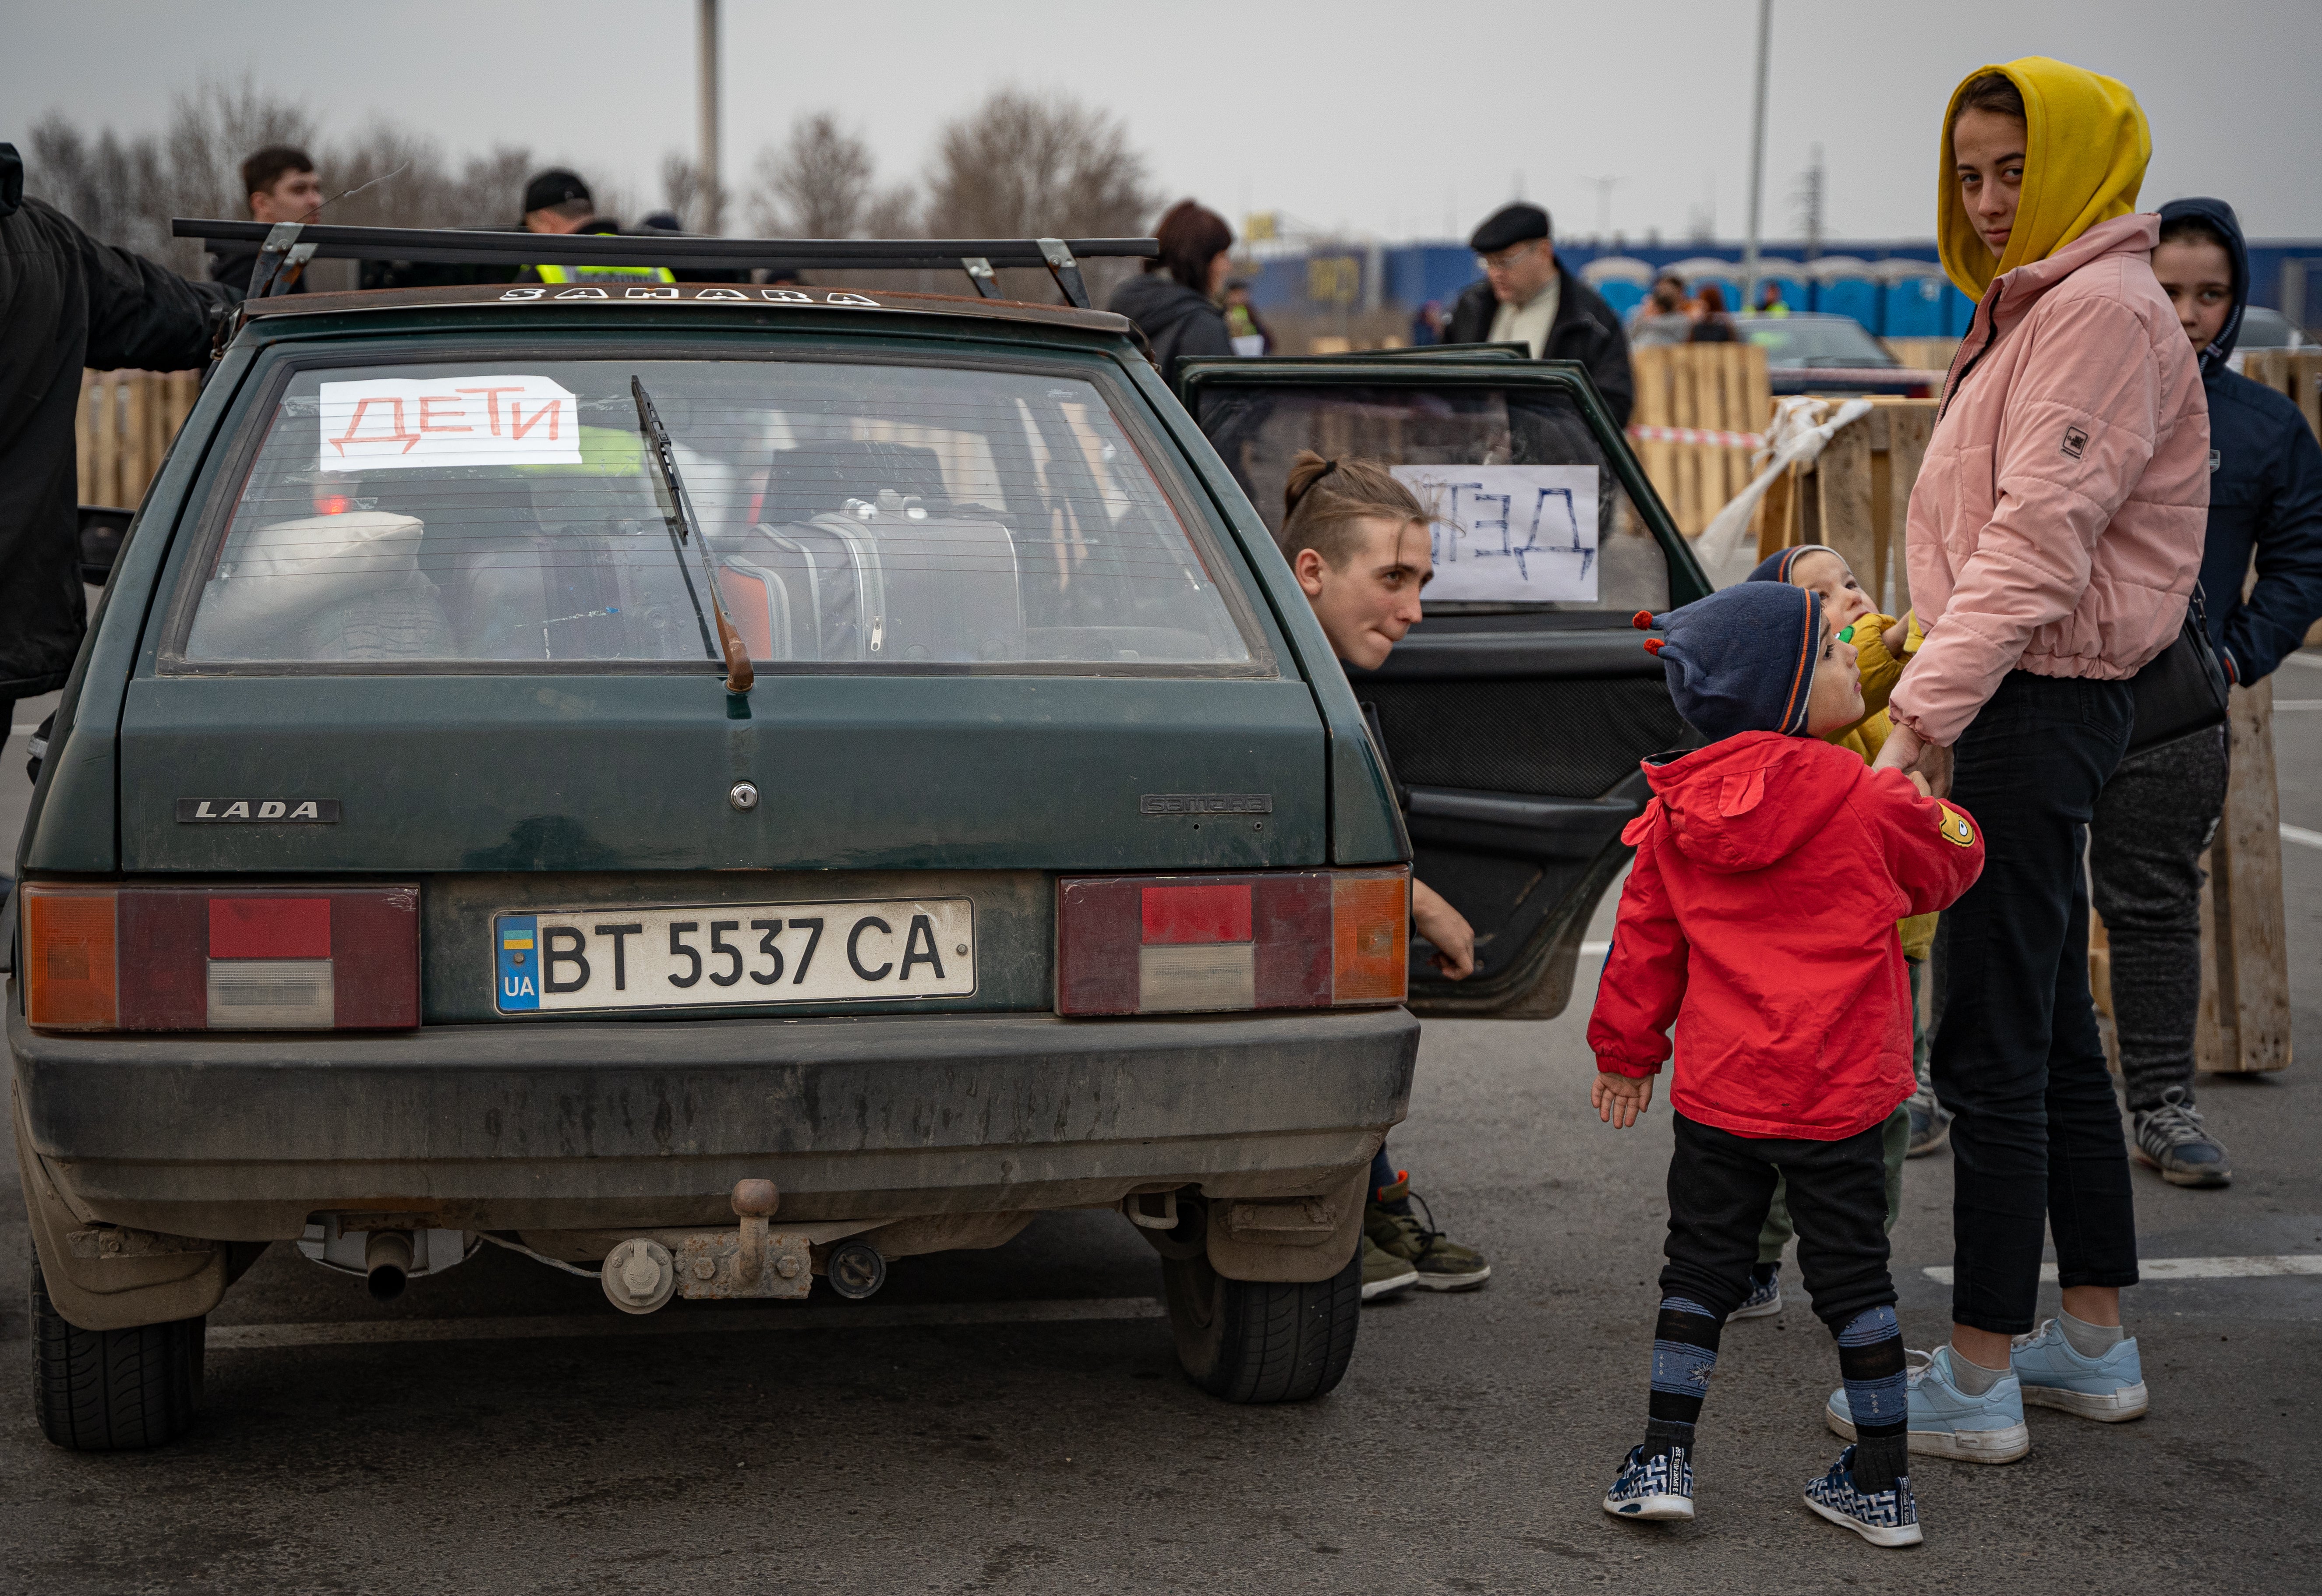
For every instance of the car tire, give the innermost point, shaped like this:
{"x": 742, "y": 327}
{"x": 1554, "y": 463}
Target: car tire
{"x": 113, "y": 1390}
{"x": 1263, "y": 1341}
{"x": 406, "y": 622}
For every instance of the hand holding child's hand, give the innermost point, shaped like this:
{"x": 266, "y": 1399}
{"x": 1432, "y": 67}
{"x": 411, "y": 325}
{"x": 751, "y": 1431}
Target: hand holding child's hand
{"x": 1619, "y": 1098}
{"x": 1920, "y": 782}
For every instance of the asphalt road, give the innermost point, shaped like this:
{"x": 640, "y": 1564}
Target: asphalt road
{"x": 1015, "y": 1422}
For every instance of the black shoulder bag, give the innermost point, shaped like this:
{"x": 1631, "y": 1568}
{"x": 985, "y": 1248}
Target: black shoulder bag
{"x": 2182, "y": 690}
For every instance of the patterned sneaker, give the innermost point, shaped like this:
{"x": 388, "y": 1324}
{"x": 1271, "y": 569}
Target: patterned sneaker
{"x": 1443, "y": 1265}
{"x": 2109, "y": 1388}
{"x": 1656, "y": 1487}
{"x": 1765, "y": 1297}
{"x": 1946, "y": 1421}
{"x": 1931, "y": 1123}
{"x": 2170, "y": 1139}
{"x": 1384, "y": 1273}
{"x": 1887, "y": 1518}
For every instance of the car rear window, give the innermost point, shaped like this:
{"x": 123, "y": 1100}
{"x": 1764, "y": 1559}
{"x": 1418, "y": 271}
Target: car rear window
{"x": 855, "y": 516}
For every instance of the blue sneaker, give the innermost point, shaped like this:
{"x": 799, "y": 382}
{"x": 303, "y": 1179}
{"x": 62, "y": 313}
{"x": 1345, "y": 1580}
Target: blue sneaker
{"x": 1656, "y": 1487}
{"x": 1887, "y": 1518}
{"x": 1946, "y": 1421}
{"x": 2109, "y": 1388}
{"x": 1765, "y": 1297}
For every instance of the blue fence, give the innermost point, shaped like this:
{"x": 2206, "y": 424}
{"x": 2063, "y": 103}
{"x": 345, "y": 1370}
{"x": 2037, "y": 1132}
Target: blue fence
{"x": 1898, "y": 290}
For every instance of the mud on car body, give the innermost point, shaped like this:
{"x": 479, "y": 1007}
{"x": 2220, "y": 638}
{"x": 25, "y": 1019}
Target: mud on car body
{"x": 915, "y": 798}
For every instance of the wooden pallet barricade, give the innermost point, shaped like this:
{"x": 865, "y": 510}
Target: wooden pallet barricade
{"x": 1856, "y": 496}
{"x": 124, "y": 427}
{"x": 1719, "y": 393}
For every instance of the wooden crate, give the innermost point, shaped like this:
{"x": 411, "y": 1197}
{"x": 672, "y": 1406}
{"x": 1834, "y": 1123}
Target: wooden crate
{"x": 1708, "y": 388}
{"x": 1927, "y": 354}
{"x": 124, "y": 427}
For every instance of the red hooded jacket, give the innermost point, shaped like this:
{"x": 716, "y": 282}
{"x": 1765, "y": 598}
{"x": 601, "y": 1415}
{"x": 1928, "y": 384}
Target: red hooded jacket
{"x": 1760, "y": 917}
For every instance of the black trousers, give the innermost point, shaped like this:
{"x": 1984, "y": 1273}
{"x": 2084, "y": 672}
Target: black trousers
{"x": 1719, "y": 1187}
{"x": 2152, "y": 821}
{"x": 2037, "y": 1143}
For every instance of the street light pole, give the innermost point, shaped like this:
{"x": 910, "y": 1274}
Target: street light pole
{"x": 1757, "y": 155}
{"x": 712, "y": 207}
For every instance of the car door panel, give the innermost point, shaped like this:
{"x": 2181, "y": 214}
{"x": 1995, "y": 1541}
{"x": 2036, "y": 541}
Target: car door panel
{"x": 1516, "y": 729}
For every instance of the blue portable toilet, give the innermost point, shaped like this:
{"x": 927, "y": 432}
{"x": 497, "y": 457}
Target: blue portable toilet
{"x": 1622, "y": 279}
{"x": 1841, "y": 285}
{"x": 1912, "y": 295}
{"x": 1710, "y": 269}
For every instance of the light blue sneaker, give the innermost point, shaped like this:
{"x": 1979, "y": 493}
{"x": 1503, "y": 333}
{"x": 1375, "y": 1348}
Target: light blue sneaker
{"x": 2109, "y": 1388}
{"x": 1765, "y": 1297}
{"x": 1946, "y": 1421}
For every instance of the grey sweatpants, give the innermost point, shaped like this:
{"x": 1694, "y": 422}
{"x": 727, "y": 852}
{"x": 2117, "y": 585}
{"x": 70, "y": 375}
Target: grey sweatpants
{"x": 2152, "y": 821}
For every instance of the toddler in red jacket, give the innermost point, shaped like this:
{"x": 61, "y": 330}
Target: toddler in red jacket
{"x": 1759, "y": 918}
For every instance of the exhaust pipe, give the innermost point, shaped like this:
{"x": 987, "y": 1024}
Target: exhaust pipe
{"x": 387, "y": 1263}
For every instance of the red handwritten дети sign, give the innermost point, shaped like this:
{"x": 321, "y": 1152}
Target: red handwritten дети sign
{"x": 391, "y": 423}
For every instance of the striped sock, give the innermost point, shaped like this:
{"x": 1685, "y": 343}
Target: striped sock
{"x": 1871, "y": 1360}
{"x": 1685, "y": 1350}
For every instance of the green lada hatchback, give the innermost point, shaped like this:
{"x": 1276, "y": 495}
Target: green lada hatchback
{"x": 720, "y": 788}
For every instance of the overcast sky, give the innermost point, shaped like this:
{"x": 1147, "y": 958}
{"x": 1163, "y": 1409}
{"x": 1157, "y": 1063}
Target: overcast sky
{"x": 1399, "y": 120}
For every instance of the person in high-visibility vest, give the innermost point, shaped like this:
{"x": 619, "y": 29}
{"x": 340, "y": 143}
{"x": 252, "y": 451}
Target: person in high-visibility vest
{"x": 557, "y": 201}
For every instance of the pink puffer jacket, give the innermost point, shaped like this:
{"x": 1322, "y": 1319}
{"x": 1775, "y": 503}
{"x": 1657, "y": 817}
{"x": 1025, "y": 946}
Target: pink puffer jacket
{"x": 2059, "y": 516}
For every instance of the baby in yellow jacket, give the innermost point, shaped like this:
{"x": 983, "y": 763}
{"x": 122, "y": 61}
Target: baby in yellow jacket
{"x": 1882, "y": 646}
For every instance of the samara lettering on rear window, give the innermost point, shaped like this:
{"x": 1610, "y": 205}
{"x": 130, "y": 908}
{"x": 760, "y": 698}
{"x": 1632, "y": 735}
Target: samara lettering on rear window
{"x": 400, "y": 423}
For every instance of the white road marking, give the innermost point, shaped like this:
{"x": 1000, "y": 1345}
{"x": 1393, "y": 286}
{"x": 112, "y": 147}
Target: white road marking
{"x": 2301, "y": 836}
{"x": 2298, "y": 703}
{"x": 2303, "y": 658}
{"x": 1595, "y": 949}
{"x": 2150, "y": 1270}
{"x": 678, "y": 1319}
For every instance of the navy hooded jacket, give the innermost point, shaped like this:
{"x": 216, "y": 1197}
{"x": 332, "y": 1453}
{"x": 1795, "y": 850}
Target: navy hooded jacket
{"x": 2265, "y": 491}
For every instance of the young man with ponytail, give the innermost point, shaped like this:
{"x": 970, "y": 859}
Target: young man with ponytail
{"x": 1357, "y": 540}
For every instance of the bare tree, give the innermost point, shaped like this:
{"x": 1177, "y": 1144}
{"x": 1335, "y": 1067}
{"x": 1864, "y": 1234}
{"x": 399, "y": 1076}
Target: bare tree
{"x": 699, "y": 207}
{"x": 1039, "y": 166}
{"x": 818, "y": 185}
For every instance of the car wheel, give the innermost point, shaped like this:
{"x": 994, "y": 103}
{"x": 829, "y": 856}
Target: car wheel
{"x": 1263, "y": 1341}
{"x": 113, "y": 1390}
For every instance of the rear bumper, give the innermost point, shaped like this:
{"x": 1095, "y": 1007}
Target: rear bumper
{"x": 584, "y": 1126}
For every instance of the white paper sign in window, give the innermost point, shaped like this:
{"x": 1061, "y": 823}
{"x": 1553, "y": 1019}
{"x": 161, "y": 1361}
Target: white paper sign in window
{"x": 399, "y": 424}
{"x": 1510, "y": 533}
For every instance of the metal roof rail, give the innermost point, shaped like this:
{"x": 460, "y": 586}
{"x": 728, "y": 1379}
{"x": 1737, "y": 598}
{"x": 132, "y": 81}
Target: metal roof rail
{"x": 459, "y": 246}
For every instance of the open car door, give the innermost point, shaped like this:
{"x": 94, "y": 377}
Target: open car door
{"x": 1516, "y": 713}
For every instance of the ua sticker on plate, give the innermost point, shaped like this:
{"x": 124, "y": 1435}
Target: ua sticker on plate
{"x": 1955, "y": 828}
{"x": 404, "y": 423}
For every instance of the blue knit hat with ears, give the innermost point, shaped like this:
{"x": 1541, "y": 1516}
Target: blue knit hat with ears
{"x": 1742, "y": 660}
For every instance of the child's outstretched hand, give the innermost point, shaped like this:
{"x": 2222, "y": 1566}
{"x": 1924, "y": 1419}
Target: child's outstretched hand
{"x": 1619, "y": 1098}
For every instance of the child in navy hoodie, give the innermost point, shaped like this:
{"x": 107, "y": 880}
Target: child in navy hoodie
{"x": 1759, "y": 919}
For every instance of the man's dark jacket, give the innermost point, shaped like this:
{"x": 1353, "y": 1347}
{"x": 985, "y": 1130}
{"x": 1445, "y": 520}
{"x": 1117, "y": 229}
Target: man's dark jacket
{"x": 1176, "y": 322}
{"x": 1585, "y": 330}
{"x": 66, "y": 302}
{"x": 2266, "y": 492}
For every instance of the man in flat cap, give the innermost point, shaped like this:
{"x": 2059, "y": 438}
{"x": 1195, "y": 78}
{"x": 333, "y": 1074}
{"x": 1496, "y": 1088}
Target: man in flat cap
{"x": 1528, "y": 298}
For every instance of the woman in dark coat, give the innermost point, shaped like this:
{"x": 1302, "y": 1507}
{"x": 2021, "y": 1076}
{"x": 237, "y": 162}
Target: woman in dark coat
{"x": 1175, "y": 303}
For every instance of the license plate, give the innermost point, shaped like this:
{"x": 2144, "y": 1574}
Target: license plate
{"x": 697, "y": 956}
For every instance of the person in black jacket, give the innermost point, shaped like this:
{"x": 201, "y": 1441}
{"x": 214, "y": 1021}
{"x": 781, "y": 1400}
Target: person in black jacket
{"x": 2160, "y": 808}
{"x": 66, "y": 302}
{"x": 282, "y": 185}
{"x": 1527, "y": 294}
{"x": 1176, "y": 302}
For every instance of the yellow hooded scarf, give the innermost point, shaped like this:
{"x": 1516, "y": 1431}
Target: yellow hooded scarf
{"x": 2086, "y": 145}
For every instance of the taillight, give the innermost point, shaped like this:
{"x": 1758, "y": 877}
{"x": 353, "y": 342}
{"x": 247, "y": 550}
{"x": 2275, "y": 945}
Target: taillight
{"x": 272, "y": 957}
{"x": 1191, "y": 943}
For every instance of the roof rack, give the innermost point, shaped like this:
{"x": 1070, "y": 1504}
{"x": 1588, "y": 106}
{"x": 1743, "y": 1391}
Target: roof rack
{"x": 286, "y": 244}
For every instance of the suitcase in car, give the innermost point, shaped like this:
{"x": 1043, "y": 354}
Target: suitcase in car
{"x": 615, "y": 594}
{"x": 929, "y": 586}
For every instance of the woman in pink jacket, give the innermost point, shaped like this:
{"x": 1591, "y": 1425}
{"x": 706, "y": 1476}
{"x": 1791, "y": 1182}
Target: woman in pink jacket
{"x": 2054, "y": 537}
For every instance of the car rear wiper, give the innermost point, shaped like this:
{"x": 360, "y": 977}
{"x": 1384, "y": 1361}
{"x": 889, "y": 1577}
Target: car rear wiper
{"x": 682, "y": 524}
